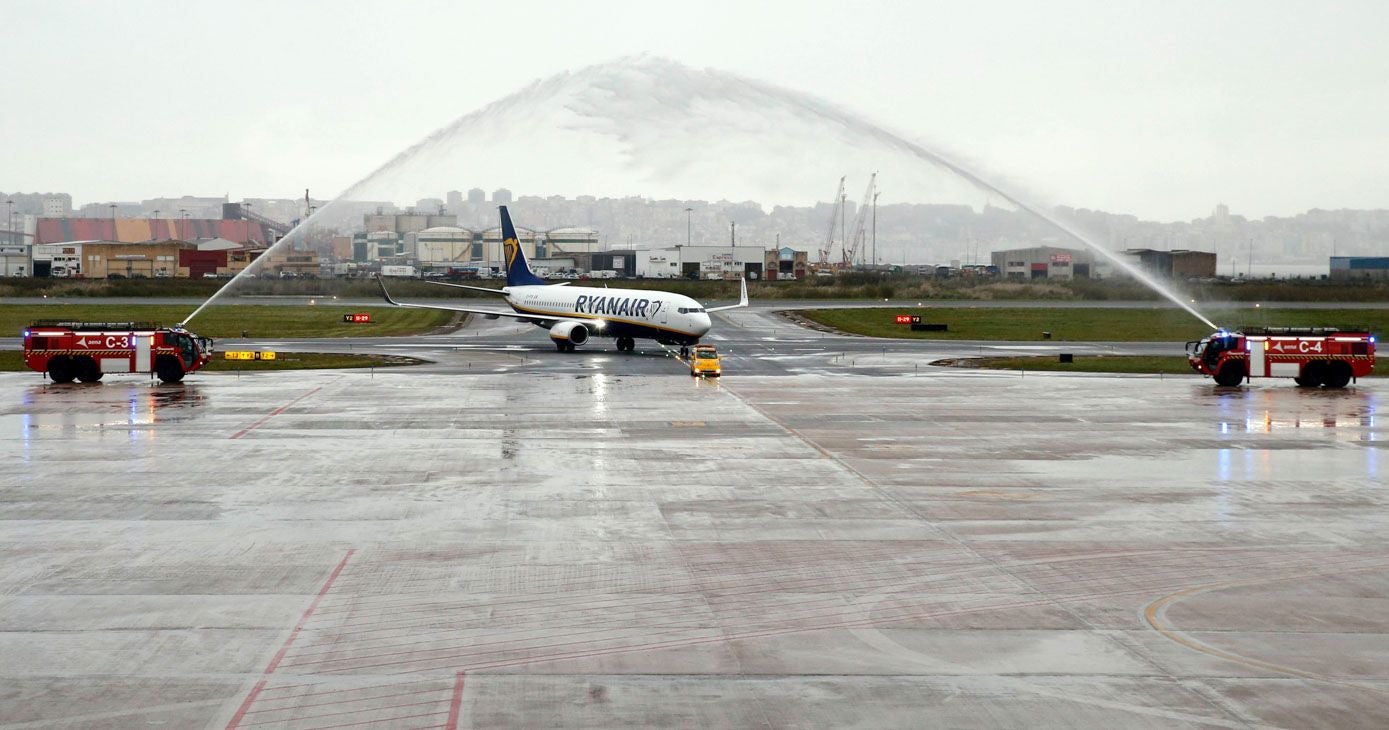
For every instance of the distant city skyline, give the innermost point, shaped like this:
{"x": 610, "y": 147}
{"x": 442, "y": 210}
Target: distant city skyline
{"x": 906, "y": 233}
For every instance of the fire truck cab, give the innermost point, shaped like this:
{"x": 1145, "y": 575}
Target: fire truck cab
{"x": 1311, "y": 356}
{"x": 85, "y": 351}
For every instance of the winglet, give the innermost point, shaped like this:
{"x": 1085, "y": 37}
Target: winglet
{"x": 385, "y": 294}
{"x": 742, "y": 299}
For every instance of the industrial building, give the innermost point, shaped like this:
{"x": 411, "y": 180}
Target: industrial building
{"x": 136, "y": 230}
{"x": 444, "y": 246}
{"x": 570, "y": 240}
{"x": 786, "y": 263}
{"x": 405, "y": 239}
{"x": 14, "y": 259}
{"x": 1045, "y": 262}
{"x": 621, "y": 260}
{"x": 1175, "y": 264}
{"x": 60, "y": 260}
{"x": 403, "y": 223}
{"x": 170, "y": 258}
{"x": 1359, "y": 268}
{"x": 701, "y": 262}
{"x": 117, "y": 260}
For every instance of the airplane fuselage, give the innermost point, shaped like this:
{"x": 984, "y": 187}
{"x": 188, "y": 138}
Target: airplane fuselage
{"x": 638, "y": 313}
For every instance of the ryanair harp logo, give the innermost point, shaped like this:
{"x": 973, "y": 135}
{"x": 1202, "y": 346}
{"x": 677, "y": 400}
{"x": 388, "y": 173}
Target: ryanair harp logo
{"x": 512, "y": 248}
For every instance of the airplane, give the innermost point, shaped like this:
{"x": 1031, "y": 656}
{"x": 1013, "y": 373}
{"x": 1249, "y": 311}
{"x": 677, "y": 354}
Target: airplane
{"x": 574, "y": 315}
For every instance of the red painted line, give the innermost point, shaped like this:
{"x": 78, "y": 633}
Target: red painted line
{"x": 456, "y": 703}
{"x": 309, "y": 611}
{"x": 246, "y": 705}
{"x": 270, "y": 669}
{"x": 273, "y": 413}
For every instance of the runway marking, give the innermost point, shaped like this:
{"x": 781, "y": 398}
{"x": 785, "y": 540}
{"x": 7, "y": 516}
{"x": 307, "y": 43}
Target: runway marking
{"x": 308, "y": 613}
{"x": 1156, "y": 612}
{"x": 272, "y": 414}
{"x": 246, "y": 705}
{"x": 242, "y": 711}
{"x": 456, "y": 702}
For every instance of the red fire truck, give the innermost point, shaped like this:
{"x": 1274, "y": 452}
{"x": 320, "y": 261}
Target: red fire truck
{"x": 86, "y": 351}
{"x": 1311, "y": 356}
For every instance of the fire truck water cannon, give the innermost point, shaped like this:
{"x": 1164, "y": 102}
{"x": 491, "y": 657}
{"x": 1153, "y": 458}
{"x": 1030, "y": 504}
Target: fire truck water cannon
{"x": 85, "y": 351}
{"x": 1311, "y": 356}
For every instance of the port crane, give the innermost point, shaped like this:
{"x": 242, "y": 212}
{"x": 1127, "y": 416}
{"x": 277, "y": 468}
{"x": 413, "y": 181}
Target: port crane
{"x": 824, "y": 260}
{"x": 855, "y": 245}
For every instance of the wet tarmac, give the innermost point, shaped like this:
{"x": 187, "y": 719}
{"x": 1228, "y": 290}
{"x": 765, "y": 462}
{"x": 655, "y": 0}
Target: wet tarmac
{"x": 518, "y": 538}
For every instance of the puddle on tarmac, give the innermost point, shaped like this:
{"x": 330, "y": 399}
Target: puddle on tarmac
{"x": 94, "y": 406}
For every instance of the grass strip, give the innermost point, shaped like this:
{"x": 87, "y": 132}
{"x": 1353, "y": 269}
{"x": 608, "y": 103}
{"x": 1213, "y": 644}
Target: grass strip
{"x": 1024, "y": 324}
{"x": 231, "y": 321}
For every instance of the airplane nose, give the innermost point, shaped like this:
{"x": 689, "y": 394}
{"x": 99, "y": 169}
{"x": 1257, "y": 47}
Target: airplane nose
{"x": 703, "y": 323}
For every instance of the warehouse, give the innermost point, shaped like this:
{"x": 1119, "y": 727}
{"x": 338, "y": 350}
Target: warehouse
{"x": 786, "y": 263}
{"x": 1175, "y": 264}
{"x": 1359, "y": 268}
{"x": 154, "y": 259}
{"x": 1045, "y": 262}
{"x": 701, "y": 262}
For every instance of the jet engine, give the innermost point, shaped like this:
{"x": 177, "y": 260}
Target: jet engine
{"x": 575, "y": 333}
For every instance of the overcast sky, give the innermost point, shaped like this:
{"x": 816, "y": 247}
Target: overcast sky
{"x": 1160, "y": 109}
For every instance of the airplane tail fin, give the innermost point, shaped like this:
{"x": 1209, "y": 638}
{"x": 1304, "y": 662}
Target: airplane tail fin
{"x": 518, "y": 272}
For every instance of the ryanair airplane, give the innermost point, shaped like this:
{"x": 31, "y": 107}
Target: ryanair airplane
{"x": 576, "y": 314}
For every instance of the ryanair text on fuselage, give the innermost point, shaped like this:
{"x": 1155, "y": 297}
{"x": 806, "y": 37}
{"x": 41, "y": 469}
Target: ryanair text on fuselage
{"x": 616, "y": 306}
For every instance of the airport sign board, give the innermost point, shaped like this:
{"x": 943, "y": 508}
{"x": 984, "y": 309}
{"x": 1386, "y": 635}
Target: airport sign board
{"x": 359, "y": 317}
{"x": 248, "y": 355}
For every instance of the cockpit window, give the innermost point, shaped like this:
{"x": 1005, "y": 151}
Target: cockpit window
{"x": 690, "y": 310}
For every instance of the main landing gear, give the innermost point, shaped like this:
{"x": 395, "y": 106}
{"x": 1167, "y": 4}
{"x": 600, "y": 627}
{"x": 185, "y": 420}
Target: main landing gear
{"x": 626, "y": 344}
{"x": 564, "y": 345}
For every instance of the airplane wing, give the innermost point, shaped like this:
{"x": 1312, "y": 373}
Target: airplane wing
{"x": 488, "y": 313}
{"x": 489, "y": 290}
{"x": 742, "y": 301}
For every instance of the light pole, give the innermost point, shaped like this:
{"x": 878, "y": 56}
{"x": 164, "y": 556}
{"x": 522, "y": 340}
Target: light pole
{"x": 689, "y": 212}
{"x": 732, "y": 244}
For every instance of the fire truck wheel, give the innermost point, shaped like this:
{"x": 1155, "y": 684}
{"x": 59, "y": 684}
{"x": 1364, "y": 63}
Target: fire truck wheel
{"x": 61, "y": 370}
{"x": 168, "y": 370}
{"x": 1230, "y": 374}
{"x": 87, "y": 371}
{"x": 1313, "y": 373}
{"x": 1337, "y": 375}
